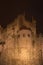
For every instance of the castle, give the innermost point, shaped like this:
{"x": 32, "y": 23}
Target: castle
{"x": 19, "y": 44}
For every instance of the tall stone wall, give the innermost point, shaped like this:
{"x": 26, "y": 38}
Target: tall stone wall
{"x": 21, "y": 47}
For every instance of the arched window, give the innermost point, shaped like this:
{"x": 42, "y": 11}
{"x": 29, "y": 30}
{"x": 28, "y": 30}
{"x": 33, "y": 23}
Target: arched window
{"x": 13, "y": 28}
{"x": 2, "y": 42}
{"x": 23, "y": 35}
{"x": 19, "y": 36}
{"x": 33, "y": 42}
{"x": 28, "y": 35}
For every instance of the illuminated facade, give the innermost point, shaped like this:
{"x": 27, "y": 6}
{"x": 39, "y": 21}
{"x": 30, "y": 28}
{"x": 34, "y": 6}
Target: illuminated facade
{"x": 22, "y": 46}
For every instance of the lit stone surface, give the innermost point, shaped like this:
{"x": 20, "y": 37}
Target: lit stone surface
{"x": 19, "y": 48}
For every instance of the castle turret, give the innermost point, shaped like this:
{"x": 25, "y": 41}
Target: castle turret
{"x": 34, "y": 25}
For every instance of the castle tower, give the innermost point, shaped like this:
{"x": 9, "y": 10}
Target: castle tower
{"x": 20, "y": 35}
{"x": 34, "y": 25}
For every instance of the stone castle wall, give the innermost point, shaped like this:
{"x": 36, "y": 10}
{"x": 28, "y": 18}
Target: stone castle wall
{"x": 21, "y": 47}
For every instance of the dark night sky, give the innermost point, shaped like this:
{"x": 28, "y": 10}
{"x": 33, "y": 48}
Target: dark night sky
{"x": 10, "y": 9}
